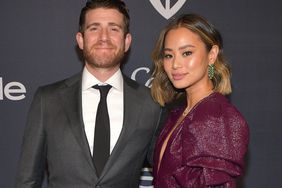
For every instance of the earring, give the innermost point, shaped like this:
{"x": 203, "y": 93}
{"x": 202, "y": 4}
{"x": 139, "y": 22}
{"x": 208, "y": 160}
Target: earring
{"x": 211, "y": 71}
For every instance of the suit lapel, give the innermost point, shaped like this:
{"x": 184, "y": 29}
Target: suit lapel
{"x": 131, "y": 113}
{"x": 71, "y": 98}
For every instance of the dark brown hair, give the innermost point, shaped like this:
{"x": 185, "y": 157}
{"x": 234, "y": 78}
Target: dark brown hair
{"x": 109, "y": 4}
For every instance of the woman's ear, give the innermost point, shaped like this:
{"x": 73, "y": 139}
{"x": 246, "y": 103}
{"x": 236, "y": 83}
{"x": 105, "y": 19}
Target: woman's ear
{"x": 213, "y": 54}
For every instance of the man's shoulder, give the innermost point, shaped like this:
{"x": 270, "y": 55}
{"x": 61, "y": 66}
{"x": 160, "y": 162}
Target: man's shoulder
{"x": 139, "y": 91}
{"x": 74, "y": 79}
{"x": 135, "y": 85}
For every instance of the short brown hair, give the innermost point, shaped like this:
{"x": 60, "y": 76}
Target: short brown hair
{"x": 109, "y": 4}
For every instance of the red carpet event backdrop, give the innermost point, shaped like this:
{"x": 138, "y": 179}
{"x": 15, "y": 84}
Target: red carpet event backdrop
{"x": 37, "y": 47}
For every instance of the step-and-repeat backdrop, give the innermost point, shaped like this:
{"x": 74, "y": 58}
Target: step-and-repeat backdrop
{"x": 37, "y": 47}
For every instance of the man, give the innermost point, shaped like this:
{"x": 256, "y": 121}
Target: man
{"x": 60, "y": 133}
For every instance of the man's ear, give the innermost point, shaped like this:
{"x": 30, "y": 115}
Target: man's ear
{"x": 128, "y": 39}
{"x": 79, "y": 40}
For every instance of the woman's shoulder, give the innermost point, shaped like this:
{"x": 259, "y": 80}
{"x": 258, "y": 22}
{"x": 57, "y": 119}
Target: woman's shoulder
{"x": 218, "y": 105}
{"x": 216, "y": 112}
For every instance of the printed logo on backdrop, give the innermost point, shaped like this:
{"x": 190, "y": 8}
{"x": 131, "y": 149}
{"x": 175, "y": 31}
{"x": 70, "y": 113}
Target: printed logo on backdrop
{"x": 141, "y": 71}
{"x": 167, "y": 10}
{"x": 13, "y": 91}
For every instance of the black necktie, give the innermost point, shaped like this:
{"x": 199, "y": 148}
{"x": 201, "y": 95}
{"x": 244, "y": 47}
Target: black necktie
{"x": 101, "y": 149}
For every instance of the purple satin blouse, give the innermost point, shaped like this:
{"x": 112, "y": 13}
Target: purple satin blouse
{"x": 206, "y": 150}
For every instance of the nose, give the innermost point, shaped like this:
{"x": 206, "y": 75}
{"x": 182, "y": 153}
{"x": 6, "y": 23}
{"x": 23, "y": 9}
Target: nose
{"x": 176, "y": 63}
{"x": 104, "y": 35}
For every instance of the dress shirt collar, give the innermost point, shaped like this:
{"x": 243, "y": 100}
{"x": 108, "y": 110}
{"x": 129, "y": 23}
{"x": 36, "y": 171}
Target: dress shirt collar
{"x": 88, "y": 80}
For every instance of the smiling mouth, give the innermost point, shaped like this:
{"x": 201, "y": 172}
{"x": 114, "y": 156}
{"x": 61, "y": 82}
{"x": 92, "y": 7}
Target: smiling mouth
{"x": 178, "y": 76}
{"x": 104, "y": 48}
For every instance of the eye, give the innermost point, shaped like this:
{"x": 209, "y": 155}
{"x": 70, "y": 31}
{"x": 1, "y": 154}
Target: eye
{"x": 167, "y": 56}
{"x": 115, "y": 29}
{"x": 93, "y": 28}
{"x": 187, "y": 53}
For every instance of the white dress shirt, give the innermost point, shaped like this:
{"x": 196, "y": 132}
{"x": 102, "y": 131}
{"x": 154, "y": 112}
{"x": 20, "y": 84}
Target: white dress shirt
{"x": 90, "y": 101}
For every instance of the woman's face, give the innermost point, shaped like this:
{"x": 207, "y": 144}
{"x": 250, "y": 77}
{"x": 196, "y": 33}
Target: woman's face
{"x": 186, "y": 59}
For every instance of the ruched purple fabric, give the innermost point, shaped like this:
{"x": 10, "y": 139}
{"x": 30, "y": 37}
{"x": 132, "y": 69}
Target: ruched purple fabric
{"x": 206, "y": 150}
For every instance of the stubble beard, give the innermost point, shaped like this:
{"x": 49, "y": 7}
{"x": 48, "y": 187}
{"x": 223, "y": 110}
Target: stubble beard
{"x": 103, "y": 60}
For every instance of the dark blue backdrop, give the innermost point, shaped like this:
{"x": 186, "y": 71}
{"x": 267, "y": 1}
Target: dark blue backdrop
{"x": 37, "y": 46}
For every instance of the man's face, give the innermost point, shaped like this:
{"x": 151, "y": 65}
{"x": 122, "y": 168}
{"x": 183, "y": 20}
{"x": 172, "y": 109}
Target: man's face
{"x": 103, "y": 41}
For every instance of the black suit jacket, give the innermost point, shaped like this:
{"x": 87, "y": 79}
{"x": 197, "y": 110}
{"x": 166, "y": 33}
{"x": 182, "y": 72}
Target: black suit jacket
{"x": 55, "y": 140}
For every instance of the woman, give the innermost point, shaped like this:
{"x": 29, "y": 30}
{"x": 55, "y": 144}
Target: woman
{"x": 204, "y": 141}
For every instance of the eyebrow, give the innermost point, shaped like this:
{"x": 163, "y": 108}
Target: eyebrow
{"x": 97, "y": 24}
{"x": 181, "y": 47}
